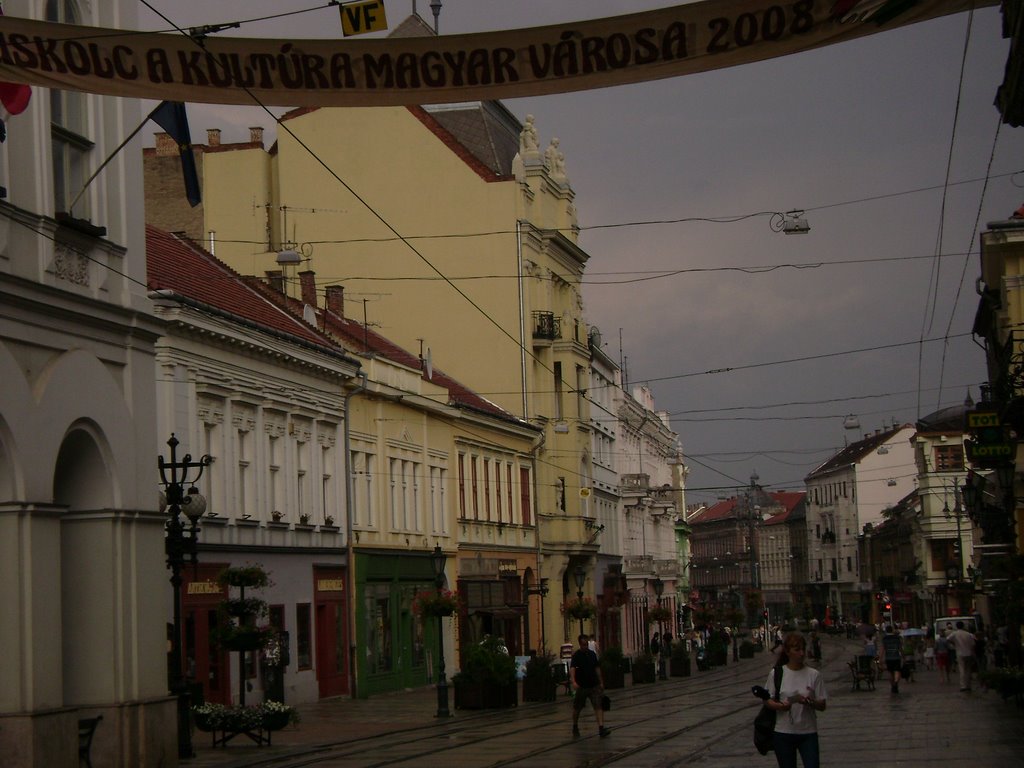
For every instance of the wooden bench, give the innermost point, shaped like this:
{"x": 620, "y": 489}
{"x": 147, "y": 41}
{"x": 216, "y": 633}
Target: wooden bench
{"x": 86, "y": 730}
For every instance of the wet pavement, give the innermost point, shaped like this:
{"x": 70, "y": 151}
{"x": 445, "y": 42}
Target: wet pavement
{"x": 704, "y": 720}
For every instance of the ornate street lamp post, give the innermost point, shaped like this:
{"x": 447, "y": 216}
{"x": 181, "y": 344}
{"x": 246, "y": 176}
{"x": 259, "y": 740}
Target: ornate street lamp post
{"x": 180, "y": 543}
{"x": 580, "y": 577}
{"x": 437, "y": 560}
{"x": 659, "y": 589}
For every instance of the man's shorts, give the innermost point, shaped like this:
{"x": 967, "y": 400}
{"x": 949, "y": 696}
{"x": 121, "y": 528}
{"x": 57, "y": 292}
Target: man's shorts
{"x": 583, "y": 695}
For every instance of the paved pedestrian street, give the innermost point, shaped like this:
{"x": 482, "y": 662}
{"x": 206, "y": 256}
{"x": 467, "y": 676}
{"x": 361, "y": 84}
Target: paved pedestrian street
{"x": 704, "y": 720}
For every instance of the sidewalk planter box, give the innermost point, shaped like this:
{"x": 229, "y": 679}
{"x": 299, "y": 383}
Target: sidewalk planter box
{"x": 644, "y": 671}
{"x": 483, "y": 696}
{"x": 614, "y": 677}
{"x": 679, "y": 666}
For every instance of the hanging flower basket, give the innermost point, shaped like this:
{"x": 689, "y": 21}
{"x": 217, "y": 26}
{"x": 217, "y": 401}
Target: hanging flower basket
{"x": 658, "y": 614}
{"x": 580, "y": 608}
{"x": 244, "y": 576}
{"x": 432, "y": 602}
{"x": 244, "y": 606}
{"x": 244, "y": 637}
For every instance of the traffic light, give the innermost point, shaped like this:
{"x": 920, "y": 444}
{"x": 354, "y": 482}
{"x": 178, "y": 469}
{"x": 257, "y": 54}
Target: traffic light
{"x": 878, "y": 596}
{"x": 765, "y": 614}
{"x": 888, "y": 606}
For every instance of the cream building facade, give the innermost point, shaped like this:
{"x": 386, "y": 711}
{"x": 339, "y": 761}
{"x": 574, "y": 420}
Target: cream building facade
{"x": 82, "y": 577}
{"x": 452, "y": 232}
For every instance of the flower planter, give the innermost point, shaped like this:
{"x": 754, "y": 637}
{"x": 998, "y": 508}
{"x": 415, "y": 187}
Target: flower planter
{"x": 679, "y": 666}
{"x": 614, "y": 677}
{"x": 644, "y": 671}
{"x": 540, "y": 689}
{"x": 485, "y": 696}
{"x": 275, "y": 721}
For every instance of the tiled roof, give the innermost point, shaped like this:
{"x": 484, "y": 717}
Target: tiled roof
{"x": 363, "y": 340}
{"x": 854, "y": 452}
{"x": 486, "y": 129}
{"x": 726, "y": 508}
{"x": 178, "y": 265}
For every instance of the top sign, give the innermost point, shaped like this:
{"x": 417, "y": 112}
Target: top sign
{"x": 360, "y": 18}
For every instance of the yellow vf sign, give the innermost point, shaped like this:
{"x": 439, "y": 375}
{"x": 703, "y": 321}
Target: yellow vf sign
{"x": 363, "y": 17}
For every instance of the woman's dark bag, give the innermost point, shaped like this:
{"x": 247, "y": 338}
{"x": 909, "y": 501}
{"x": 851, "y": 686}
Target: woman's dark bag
{"x": 764, "y": 723}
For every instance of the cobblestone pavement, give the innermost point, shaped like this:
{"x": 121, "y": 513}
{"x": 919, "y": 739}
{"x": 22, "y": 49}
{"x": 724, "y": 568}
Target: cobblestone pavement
{"x": 704, "y": 720}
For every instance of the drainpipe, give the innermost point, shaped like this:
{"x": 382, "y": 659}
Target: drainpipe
{"x": 349, "y": 549}
{"x": 522, "y": 316}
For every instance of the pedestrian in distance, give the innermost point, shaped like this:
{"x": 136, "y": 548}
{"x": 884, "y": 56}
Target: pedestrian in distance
{"x": 892, "y": 655}
{"x": 942, "y": 656}
{"x": 963, "y": 643}
{"x": 587, "y": 685}
{"x": 801, "y": 696}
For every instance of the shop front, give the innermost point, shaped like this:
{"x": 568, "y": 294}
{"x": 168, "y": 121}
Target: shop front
{"x": 205, "y": 663}
{"x": 493, "y": 600}
{"x": 394, "y": 649}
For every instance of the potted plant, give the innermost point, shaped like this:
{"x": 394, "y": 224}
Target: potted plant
{"x": 613, "y": 667}
{"x": 244, "y": 576}
{"x": 276, "y": 515}
{"x": 644, "y": 669}
{"x": 659, "y": 614}
{"x": 539, "y": 682}
{"x": 679, "y": 661}
{"x": 487, "y": 679}
{"x": 579, "y": 608}
{"x": 275, "y": 715}
{"x": 304, "y": 518}
{"x": 434, "y": 602}
{"x": 329, "y": 521}
{"x": 747, "y": 649}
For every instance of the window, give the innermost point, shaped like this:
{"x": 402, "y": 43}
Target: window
{"x": 524, "y": 495}
{"x": 487, "y": 488}
{"x": 68, "y": 131}
{"x": 473, "y": 490}
{"x": 497, "y": 491}
{"x": 558, "y": 390}
{"x": 949, "y": 458}
{"x": 304, "y": 635}
{"x": 462, "y": 486}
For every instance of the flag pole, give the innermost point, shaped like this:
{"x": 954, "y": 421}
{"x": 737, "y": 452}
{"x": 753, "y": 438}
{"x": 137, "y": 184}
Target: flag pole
{"x": 106, "y": 162}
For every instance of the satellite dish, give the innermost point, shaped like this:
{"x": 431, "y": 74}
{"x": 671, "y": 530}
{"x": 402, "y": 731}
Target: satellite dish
{"x": 851, "y": 422}
{"x": 309, "y": 314}
{"x": 429, "y": 363}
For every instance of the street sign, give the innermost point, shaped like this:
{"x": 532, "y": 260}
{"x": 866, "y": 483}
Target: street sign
{"x": 989, "y": 444}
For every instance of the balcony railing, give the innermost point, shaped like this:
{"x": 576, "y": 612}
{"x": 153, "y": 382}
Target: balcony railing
{"x": 635, "y": 483}
{"x": 546, "y": 326}
{"x": 638, "y": 564}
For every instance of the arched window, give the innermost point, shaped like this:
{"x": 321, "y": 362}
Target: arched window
{"x": 68, "y": 130}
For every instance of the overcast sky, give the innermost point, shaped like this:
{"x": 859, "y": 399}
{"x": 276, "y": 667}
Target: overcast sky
{"x": 860, "y": 135}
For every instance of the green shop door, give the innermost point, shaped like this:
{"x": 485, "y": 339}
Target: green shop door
{"x": 392, "y": 642}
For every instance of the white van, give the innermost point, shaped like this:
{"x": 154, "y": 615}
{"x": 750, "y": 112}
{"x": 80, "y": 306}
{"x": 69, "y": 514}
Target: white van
{"x": 970, "y": 624}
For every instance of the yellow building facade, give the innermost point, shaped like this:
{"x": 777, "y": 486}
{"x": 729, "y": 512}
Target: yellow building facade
{"x": 453, "y": 233}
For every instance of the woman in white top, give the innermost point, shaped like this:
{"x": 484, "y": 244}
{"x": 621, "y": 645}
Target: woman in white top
{"x": 801, "y": 696}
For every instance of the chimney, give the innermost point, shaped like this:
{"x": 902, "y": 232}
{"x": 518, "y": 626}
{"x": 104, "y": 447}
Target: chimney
{"x": 213, "y": 137}
{"x": 165, "y": 145}
{"x": 307, "y": 282}
{"x": 256, "y": 136}
{"x": 336, "y": 299}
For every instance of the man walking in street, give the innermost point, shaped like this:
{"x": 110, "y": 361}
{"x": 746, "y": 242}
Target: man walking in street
{"x": 892, "y": 655}
{"x": 963, "y": 642}
{"x": 588, "y": 685}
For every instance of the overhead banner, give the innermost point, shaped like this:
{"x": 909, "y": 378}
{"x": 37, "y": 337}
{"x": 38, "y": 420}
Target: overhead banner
{"x": 430, "y": 70}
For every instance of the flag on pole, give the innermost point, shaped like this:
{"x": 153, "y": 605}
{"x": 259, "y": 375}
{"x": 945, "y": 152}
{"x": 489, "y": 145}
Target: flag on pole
{"x": 170, "y": 116}
{"x": 14, "y": 96}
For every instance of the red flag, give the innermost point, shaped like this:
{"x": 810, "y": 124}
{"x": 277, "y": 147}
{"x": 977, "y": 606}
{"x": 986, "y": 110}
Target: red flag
{"x": 14, "y": 96}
